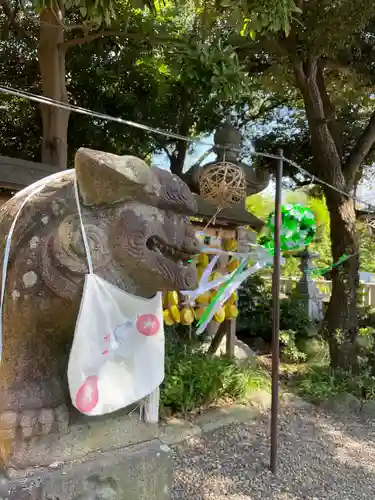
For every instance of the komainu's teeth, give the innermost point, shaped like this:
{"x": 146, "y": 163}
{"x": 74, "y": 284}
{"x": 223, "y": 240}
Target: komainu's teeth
{"x": 180, "y": 256}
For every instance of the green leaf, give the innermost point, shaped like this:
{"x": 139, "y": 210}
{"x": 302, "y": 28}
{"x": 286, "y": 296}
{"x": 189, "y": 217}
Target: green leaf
{"x": 287, "y": 27}
{"x": 244, "y": 28}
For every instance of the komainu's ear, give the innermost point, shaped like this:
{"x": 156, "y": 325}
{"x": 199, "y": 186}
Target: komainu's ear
{"x": 105, "y": 178}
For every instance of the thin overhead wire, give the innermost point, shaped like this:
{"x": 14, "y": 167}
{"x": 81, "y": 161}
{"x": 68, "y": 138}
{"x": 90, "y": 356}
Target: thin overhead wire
{"x": 94, "y": 114}
{"x": 172, "y": 135}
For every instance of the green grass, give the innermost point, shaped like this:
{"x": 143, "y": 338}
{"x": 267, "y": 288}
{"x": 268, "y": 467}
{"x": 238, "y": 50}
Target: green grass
{"x": 196, "y": 380}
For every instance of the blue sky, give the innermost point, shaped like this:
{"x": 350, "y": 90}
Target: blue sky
{"x": 161, "y": 160}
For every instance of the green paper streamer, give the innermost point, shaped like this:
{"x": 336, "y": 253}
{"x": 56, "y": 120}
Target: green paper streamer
{"x": 220, "y": 292}
{"x": 298, "y": 229}
{"x": 318, "y": 271}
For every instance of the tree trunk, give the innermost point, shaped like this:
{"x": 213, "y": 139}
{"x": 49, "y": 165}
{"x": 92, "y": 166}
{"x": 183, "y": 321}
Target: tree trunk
{"x": 55, "y": 121}
{"x": 341, "y": 317}
{"x": 177, "y": 159}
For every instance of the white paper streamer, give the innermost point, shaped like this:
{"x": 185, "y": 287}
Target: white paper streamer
{"x": 256, "y": 253}
{"x": 207, "y": 272}
{"x": 238, "y": 280}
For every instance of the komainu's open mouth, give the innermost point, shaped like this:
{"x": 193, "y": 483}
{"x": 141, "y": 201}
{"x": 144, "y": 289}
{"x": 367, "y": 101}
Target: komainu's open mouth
{"x": 179, "y": 255}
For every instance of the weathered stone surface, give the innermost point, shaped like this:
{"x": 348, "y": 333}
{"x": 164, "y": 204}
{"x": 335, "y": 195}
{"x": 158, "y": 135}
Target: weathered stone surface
{"x": 141, "y": 472}
{"x": 28, "y": 418}
{"x": 242, "y": 352}
{"x": 261, "y": 400}
{"x": 135, "y": 220}
{"x": 220, "y": 417}
{"x": 295, "y": 401}
{"x": 8, "y": 419}
{"x": 62, "y": 418}
{"x": 368, "y": 409}
{"x": 84, "y": 436}
{"x": 177, "y": 430}
{"x": 344, "y": 403}
{"x": 46, "y": 420}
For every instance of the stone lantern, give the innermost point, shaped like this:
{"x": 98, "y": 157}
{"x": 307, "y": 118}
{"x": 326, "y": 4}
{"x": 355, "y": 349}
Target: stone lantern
{"x": 306, "y": 288}
{"x": 227, "y": 142}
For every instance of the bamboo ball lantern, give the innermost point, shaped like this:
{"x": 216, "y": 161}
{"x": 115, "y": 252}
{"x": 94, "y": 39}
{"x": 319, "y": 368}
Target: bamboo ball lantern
{"x": 223, "y": 184}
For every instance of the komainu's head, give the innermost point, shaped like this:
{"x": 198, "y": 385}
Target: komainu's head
{"x": 150, "y": 235}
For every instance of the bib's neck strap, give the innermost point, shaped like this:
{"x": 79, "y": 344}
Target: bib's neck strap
{"x": 32, "y": 192}
{"x": 6, "y": 254}
{"x": 83, "y": 230}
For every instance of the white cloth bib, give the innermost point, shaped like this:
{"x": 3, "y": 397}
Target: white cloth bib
{"x": 117, "y": 356}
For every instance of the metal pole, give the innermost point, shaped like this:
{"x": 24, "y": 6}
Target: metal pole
{"x": 276, "y": 315}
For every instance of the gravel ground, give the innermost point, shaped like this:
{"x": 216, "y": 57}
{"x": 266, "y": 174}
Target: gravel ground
{"x": 321, "y": 456}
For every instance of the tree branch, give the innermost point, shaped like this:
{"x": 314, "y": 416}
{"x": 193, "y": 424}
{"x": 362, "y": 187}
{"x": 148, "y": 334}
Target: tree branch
{"x": 163, "y": 144}
{"x": 329, "y": 110}
{"x": 179, "y": 154}
{"x": 177, "y": 159}
{"x": 166, "y": 151}
{"x": 360, "y": 150}
{"x": 338, "y": 66}
{"x": 91, "y": 38}
{"x": 131, "y": 36}
{"x": 262, "y": 110}
{"x": 322, "y": 142}
{"x": 11, "y": 15}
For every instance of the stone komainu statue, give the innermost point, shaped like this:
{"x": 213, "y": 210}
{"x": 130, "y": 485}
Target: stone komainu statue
{"x": 140, "y": 240}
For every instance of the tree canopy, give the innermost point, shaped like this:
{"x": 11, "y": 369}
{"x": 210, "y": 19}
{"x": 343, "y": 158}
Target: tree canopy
{"x": 194, "y": 32}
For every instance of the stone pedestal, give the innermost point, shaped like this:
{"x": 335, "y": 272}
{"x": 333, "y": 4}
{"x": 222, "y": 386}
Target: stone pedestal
{"x": 119, "y": 458}
{"x": 306, "y": 288}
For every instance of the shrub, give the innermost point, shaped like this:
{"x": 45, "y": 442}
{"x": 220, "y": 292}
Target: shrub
{"x": 293, "y": 316}
{"x": 321, "y": 383}
{"x": 255, "y": 306}
{"x": 194, "y": 380}
{"x": 365, "y": 339}
{"x": 289, "y": 350}
{"x": 254, "y": 299}
{"x": 366, "y": 316}
{"x": 315, "y": 349}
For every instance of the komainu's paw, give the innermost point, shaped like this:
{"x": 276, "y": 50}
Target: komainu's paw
{"x": 30, "y": 423}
